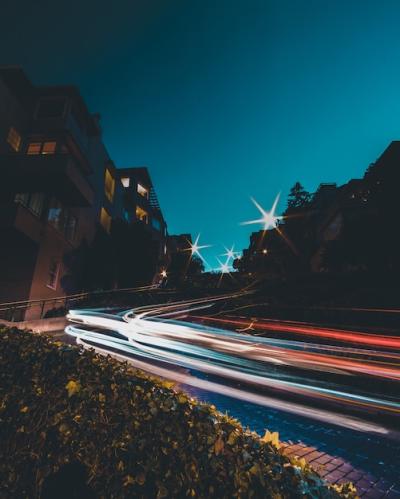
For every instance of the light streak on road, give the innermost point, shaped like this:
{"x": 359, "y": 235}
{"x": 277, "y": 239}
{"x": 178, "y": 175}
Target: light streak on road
{"x": 311, "y": 330}
{"x": 303, "y": 378}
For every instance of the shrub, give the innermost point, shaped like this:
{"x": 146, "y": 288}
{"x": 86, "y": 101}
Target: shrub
{"x": 63, "y": 407}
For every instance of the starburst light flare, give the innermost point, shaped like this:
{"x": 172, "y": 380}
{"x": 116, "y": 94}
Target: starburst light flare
{"x": 195, "y": 248}
{"x": 230, "y": 253}
{"x": 269, "y": 219}
{"x": 224, "y": 267}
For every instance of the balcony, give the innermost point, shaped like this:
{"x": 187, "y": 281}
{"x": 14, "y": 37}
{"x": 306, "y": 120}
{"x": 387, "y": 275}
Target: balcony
{"x": 60, "y": 126}
{"x": 55, "y": 174}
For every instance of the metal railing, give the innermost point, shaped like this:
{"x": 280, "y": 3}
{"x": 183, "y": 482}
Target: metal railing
{"x": 15, "y": 311}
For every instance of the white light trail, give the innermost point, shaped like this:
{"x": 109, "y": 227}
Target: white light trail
{"x": 147, "y": 334}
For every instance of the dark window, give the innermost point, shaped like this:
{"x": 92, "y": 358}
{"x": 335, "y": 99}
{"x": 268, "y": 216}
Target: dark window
{"x": 62, "y": 220}
{"x": 156, "y": 223}
{"x": 36, "y": 203}
{"x": 33, "y": 201}
{"x": 52, "y": 276}
{"x": 70, "y": 228}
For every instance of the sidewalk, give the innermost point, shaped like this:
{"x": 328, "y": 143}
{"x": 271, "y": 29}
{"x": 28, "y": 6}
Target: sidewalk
{"x": 337, "y": 470}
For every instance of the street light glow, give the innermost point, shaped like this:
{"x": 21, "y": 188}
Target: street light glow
{"x": 224, "y": 267}
{"x": 269, "y": 219}
{"x": 230, "y": 253}
{"x": 195, "y": 247}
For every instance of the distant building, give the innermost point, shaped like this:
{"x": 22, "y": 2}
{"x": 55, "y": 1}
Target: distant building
{"x": 332, "y": 213}
{"x": 140, "y": 204}
{"x": 181, "y": 242}
{"x": 264, "y": 256}
{"x": 59, "y": 185}
{"x": 182, "y": 265}
{"x": 300, "y": 242}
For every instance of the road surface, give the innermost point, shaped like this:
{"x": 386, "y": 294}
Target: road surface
{"x": 326, "y": 387}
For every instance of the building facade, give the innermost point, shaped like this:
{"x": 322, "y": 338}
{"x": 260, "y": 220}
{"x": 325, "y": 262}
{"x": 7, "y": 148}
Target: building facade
{"x": 140, "y": 205}
{"x": 59, "y": 186}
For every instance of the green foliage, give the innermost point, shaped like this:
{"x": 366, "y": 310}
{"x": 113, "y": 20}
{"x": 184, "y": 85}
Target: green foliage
{"x": 136, "y": 435}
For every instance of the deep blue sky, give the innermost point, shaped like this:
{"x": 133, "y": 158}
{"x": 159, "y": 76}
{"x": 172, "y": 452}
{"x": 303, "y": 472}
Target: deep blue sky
{"x": 223, "y": 99}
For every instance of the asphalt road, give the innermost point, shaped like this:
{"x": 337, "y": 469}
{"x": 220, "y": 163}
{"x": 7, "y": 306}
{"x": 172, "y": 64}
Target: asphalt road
{"x": 330, "y": 388}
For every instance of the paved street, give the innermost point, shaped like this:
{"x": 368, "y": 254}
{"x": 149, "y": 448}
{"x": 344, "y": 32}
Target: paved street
{"x": 337, "y": 454}
{"x": 333, "y": 401}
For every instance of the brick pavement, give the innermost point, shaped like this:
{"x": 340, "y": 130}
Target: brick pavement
{"x": 335, "y": 469}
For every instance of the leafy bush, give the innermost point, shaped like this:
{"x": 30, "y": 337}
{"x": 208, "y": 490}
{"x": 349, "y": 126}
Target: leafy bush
{"x": 135, "y": 435}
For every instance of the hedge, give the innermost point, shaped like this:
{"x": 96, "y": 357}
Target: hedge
{"x": 134, "y": 435}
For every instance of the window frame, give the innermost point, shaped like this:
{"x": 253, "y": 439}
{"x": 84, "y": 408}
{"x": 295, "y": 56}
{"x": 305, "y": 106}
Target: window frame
{"x": 105, "y": 220}
{"x": 56, "y": 274}
{"x": 14, "y": 139}
{"x": 143, "y": 191}
{"x": 146, "y": 214}
{"x": 61, "y": 223}
{"x": 109, "y": 184}
{"x": 41, "y": 147}
{"x": 47, "y": 143}
{"x": 25, "y": 200}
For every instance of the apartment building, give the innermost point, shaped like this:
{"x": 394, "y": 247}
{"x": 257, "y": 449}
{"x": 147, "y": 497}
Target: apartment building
{"x": 140, "y": 205}
{"x": 59, "y": 186}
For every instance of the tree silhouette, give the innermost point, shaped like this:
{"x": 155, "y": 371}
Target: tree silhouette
{"x": 183, "y": 267}
{"x": 298, "y": 197}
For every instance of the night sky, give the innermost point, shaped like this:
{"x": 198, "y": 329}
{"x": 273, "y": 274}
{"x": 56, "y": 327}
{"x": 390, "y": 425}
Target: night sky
{"x": 223, "y": 99}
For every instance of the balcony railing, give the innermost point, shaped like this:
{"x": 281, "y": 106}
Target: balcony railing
{"x": 63, "y": 124}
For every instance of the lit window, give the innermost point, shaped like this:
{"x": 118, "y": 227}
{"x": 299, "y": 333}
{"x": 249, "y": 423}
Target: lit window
{"x": 34, "y": 148}
{"x": 53, "y": 274}
{"x": 56, "y": 215}
{"x": 142, "y": 215}
{"x": 109, "y": 185}
{"x": 143, "y": 191}
{"x": 14, "y": 139}
{"x": 49, "y": 147}
{"x": 125, "y": 181}
{"x": 126, "y": 215}
{"x": 105, "y": 219}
